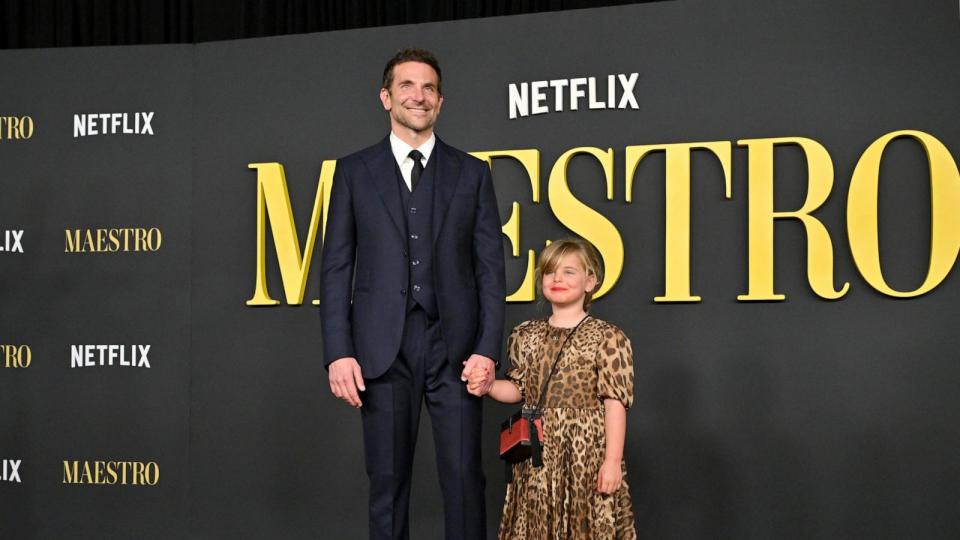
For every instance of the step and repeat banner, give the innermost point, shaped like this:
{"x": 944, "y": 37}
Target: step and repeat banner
{"x": 772, "y": 186}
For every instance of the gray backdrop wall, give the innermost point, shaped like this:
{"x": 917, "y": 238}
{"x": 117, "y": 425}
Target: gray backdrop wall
{"x": 801, "y": 418}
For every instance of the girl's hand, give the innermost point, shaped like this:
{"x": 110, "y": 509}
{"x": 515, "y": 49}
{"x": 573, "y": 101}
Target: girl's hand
{"x": 610, "y": 477}
{"x": 478, "y": 379}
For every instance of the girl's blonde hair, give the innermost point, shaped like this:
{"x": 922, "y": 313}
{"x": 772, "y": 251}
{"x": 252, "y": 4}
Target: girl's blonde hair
{"x": 551, "y": 255}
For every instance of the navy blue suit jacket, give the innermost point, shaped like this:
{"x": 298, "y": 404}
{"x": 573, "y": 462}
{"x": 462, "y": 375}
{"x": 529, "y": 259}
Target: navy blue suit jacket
{"x": 365, "y": 270}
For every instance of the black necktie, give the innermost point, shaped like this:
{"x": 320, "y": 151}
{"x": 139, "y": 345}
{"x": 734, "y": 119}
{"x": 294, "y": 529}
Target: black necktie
{"x": 417, "y": 171}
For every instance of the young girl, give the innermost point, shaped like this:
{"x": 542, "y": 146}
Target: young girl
{"x": 580, "y": 492}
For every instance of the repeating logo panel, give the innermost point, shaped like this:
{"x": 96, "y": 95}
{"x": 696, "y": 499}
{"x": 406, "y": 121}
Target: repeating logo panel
{"x": 111, "y": 473}
{"x": 10, "y": 471}
{"x": 109, "y": 355}
{"x": 113, "y": 240}
{"x": 137, "y": 123}
{"x": 16, "y": 356}
{"x": 16, "y": 128}
{"x": 11, "y": 241}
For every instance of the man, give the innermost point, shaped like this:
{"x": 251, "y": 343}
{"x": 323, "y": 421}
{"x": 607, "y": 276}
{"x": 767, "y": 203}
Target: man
{"x": 412, "y": 299}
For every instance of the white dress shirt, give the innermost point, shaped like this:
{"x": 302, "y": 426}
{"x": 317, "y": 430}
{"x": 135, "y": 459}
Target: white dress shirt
{"x": 401, "y": 151}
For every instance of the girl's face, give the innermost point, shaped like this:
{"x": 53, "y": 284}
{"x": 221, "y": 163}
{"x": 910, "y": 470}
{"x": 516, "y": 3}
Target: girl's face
{"x": 568, "y": 283}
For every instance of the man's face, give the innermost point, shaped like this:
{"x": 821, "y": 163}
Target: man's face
{"x": 412, "y": 99}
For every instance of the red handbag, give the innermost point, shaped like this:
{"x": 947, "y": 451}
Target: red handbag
{"x": 515, "y": 442}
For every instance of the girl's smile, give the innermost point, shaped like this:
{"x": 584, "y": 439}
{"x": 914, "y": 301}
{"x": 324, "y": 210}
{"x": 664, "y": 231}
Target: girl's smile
{"x": 568, "y": 283}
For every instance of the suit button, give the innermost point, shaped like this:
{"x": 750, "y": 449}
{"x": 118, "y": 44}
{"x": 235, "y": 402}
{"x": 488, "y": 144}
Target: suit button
{"x": 413, "y": 210}
{"x": 416, "y": 288}
{"x": 414, "y": 236}
{"x": 403, "y": 292}
{"x": 415, "y": 262}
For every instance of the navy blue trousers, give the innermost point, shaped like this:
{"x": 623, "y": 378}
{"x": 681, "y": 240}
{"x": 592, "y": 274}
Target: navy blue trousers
{"x": 391, "y": 416}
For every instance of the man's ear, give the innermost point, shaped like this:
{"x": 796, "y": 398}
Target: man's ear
{"x": 385, "y": 99}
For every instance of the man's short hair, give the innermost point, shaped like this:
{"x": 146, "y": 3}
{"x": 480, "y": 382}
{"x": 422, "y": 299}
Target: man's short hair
{"x": 411, "y": 55}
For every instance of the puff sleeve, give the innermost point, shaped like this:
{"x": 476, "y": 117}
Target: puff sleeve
{"x": 516, "y": 373}
{"x": 615, "y": 367}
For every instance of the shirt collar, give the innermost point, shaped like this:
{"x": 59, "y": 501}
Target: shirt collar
{"x": 401, "y": 150}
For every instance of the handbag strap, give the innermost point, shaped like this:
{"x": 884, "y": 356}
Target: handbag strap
{"x": 535, "y": 442}
{"x": 546, "y": 383}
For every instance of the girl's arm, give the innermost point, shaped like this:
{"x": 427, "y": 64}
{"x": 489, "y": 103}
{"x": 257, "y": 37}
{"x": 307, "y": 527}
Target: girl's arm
{"x": 615, "y": 429}
{"x": 505, "y": 392}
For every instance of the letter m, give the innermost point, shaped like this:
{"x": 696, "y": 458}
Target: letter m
{"x": 273, "y": 204}
{"x": 70, "y": 471}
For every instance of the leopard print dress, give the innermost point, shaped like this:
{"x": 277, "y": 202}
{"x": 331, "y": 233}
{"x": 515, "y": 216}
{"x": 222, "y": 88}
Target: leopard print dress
{"x": 559, "y": 500}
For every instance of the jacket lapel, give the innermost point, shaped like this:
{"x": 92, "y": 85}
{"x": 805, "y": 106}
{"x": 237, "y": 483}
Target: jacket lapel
{"x": 446, "y": 177}
{"x": 383, "y": 175}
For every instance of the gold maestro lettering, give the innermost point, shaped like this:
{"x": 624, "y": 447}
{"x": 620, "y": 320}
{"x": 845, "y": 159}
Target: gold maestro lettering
{"x": 677, "y": 177}
{"x": 274, "y": 207}
{"x": 273, "y": 204}
{"x": 585, "y": 221}
{"x": 862, "y": 218}
{"x": 16, "y": 356}
{"x": 762, "y": 216}
{"x": 101, "y": 473}
{"x": 16, "y": 127}
{"x": 530, "y": 160}
{"x": 127, "y": 239}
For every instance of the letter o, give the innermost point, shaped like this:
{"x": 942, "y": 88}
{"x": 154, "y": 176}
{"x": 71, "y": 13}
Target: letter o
{"x": 152, "y": 473}
{"x": 26, "y": 121}
{"x": 24, "y": 351}
{"x": 154, "y": 240}
{"x": 862, "y": 213}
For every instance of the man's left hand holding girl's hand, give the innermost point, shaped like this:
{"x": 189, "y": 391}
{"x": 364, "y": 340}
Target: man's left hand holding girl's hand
{"x": 479, "y": 381}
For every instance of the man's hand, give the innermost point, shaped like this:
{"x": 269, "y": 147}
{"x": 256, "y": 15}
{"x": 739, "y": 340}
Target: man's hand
{"x": 482, "y": 362}
{"x": 345, "y": 379}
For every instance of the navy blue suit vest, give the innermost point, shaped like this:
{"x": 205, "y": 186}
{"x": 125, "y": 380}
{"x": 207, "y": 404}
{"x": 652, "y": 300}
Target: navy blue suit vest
{"x": 417, "y": 209}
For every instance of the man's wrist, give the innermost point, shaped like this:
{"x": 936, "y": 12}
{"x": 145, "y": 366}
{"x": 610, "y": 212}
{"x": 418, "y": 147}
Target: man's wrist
{"x": 485, "y": 357}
